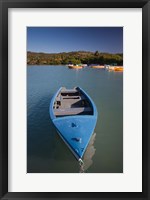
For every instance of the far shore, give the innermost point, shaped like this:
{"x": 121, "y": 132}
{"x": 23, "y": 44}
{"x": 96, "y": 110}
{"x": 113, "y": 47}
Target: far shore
{"x": 77, "y": 57}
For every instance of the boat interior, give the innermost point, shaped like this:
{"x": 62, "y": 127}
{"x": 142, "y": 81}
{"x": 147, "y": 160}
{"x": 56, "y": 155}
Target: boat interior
{"x": 72, "y": 102}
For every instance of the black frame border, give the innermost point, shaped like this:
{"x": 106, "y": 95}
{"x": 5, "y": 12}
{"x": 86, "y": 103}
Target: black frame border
{"x": 4, "y": 6}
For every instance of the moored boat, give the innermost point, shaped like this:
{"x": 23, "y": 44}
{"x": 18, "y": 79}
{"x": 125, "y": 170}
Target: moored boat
{"x": 75, "y": 66}
{"x": 84, "y": 65}
{"x": 118, "y": 69}
{"x": 115, "y": 68}
{"x": 111, "y": 68}
{"x": 74, "y": 115}
{"x": 98, "y": 66}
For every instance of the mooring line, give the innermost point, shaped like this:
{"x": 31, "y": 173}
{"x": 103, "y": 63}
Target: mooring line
{"x": 81, "y": 164}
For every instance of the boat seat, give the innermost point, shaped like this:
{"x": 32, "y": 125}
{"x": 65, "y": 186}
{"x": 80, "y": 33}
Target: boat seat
{"x": 72, "y": 111}
{"x": 71, "y": 97}
{"x": 69, "y": 91}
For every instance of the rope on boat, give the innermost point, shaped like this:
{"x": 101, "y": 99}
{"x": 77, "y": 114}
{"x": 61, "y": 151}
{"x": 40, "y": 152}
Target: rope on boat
{"x": 81, "y": 164}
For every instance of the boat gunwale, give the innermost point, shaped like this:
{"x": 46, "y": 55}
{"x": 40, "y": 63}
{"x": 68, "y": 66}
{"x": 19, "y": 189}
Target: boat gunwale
{"x": 91, "y": 101}
{"x": 51, "y": 110}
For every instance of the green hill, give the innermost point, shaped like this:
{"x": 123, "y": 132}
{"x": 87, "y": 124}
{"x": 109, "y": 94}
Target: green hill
{"x": 77, "y": 57}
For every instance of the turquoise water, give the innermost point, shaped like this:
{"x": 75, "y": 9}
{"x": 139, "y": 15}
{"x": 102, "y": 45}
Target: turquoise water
{"x": 46, "y": 152}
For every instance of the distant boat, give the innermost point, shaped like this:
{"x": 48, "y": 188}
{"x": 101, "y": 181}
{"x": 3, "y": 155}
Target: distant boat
{"x": 118, "y": 69}
{"x": 111, "y": 68}
{"x": 84, "y": 65}
{"x": 74, "y": 115}
{"x": 69, "y": 65}
{"x": 75, "y": 66}
{"x": 98, "y": 66}
{"x": 106, "y": 66}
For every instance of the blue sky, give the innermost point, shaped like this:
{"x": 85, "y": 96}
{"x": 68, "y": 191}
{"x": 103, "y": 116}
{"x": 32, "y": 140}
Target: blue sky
{"x": 66, "y": 39}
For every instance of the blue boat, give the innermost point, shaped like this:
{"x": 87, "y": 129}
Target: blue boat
{"x": 74, "y": 115}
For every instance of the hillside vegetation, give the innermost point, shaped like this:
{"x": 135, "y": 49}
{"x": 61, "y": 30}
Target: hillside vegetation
{"x": 77, "y": 57}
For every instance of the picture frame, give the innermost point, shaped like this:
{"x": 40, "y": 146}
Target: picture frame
{"x": 5, "y": 5}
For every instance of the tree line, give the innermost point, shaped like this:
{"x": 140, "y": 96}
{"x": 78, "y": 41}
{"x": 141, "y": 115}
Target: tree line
{"x": 78, "y": 57}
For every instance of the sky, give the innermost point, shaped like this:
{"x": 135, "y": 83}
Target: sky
{"x": 66, "y": 39}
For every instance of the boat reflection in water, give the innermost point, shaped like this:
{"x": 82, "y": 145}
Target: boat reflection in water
{"x": 89, "y": 153}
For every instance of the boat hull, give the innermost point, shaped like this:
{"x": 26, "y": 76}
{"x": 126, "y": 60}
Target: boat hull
{"x": 70, "y": 128}
{"x": 75, "y": 130}
{"x": 75, "y": 67}
{"x": 98, "y": 67}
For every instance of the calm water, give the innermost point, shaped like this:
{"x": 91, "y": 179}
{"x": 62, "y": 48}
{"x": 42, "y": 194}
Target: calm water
{"x": 46, "y": 151}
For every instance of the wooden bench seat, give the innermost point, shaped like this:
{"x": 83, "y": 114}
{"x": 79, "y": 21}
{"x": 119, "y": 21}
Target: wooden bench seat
{"x": 69, "y": 91}
{"x": 72, "y": 111}
{"x": 71, "y": 97}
